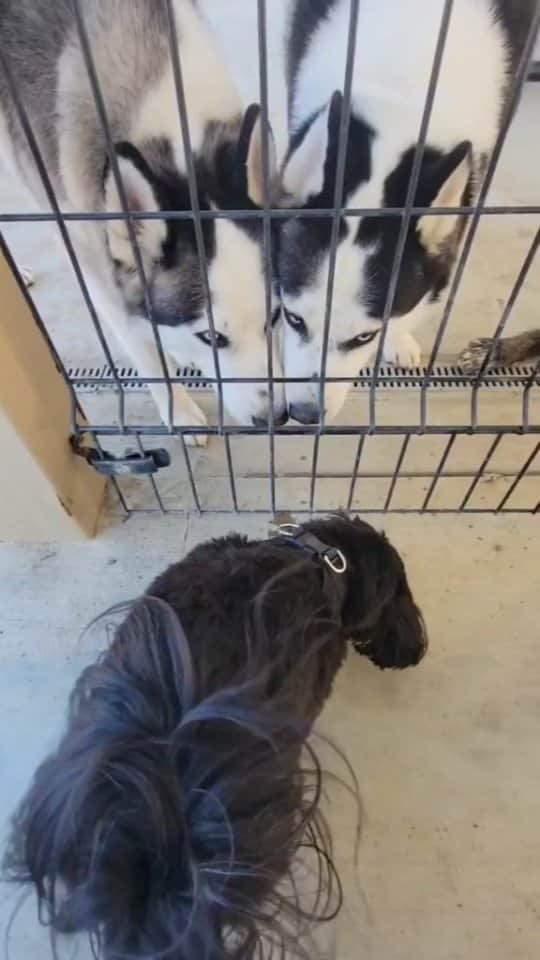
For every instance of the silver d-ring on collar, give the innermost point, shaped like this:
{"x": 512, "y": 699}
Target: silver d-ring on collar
{"x": 334, "y": 558}
{"x": 289, "y": 529}
{"x": 336, "y": 562}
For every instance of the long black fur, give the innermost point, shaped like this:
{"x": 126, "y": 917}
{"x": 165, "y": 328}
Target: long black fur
{"x": 169, "y": 820}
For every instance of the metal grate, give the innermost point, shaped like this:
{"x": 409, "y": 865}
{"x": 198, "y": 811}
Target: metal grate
{"x": 470, "y": 434}
{"x": 94, "y": 379}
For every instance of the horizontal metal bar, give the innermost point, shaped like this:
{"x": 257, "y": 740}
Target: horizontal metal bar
{"x": 365, "y": 511}
{"x": 234, "y": 430}
{"x": 388, "y": 475}
{"x": 295, "y": 213}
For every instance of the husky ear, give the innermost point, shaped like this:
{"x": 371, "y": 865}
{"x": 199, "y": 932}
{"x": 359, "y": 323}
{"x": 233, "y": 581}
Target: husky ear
{"x": 140, "y": 196}
{"x": 451, "y": 176}
{"x": 306, "y": 165}
{"x": 250, "y": 154}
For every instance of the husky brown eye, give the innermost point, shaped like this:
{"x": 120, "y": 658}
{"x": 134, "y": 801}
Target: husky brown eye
{"x": 360, "y": 341}
{"x": 206, "y": 337}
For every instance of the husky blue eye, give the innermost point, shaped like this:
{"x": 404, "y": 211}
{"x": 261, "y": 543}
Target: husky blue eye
{"x": 360, "y": 341}
{"x": 296, "y": 323}
{"x": 367, "y": 337}
{"x": 220, "y": 340}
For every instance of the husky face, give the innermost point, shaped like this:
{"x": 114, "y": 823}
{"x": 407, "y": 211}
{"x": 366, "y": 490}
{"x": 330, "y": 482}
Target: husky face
{"x": 228, "y": 172}
{"x": 365, "y": 257}
{"x": 389, "y": 85}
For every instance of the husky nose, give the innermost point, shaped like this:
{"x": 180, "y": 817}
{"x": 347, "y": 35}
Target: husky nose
{"x": 306, "y": 413}
{"x": 280, "y": 419}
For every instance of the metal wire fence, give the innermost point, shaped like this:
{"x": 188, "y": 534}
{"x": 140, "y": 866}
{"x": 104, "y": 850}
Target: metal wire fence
{"x": 427, "y": 439}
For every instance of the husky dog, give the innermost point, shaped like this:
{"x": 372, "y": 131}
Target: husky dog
{"x": 131, "y": 49}
{"x": 394, "y": 58}
{"x": 169, "y": 819}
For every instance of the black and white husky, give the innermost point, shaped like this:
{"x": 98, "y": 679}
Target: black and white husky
{"x": 394, "y": 57}
{"x": 129, "y": 40}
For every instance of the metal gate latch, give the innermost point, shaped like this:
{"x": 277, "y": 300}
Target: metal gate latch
{"x": 131, "y": 464}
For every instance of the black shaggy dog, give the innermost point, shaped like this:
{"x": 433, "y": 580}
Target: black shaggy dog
{"x": 168, "y": 822}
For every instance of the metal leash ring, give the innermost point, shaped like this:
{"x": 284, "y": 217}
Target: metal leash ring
{"x": 336, "y": 561}
{"x": 334, "y": 558}
{"x": 289, "y": 529}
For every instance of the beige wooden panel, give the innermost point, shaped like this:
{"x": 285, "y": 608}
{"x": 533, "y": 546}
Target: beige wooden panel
{"x": 45, "y": 491}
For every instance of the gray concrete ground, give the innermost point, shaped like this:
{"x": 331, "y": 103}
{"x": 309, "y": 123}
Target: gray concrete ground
{"x": 446, "y": 756}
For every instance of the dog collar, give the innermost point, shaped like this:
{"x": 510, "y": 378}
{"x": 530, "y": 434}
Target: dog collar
{"x": 333, "y": 562}
{"x": 294, "y": 535}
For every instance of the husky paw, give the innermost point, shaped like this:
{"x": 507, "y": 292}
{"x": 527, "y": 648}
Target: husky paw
{"x": 472, "y": 358}
{"x": 186, "y": 414}
{"x": 402, "y": 350}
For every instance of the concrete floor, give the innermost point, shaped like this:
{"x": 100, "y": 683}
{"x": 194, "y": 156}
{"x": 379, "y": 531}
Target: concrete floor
{"x": 446, "y": 756}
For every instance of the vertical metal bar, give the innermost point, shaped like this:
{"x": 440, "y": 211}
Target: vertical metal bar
{"x": 438, "y": 472}
{"x": 409, "y": 200}
{"x": 518, "y": 479}
{"x": 151, "y": 479}
{"x": 114, "y": 481}
{"x": 399, "y": 464}
{"x": 313, "y": 479}
{"x": 230, "y": 467}
{"x": 190, "y": 474}
{"x": 101, "y": 110}
{"x": 527, "y": 395}
{"x": 343, "y": 142}
{"x": 194, "y": 194}
{"x": 520, "y": 280}
{"x": 506, "y": 119}
{"x": 33, "y": 146}
{"x": 267, "y": 236}
{"x": 532, "y": 379}
{"x": 481, "y": 472}
{"x": 356, "y": 468}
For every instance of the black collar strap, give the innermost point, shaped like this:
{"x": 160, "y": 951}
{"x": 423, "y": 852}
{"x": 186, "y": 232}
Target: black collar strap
{"x": 295, "y": 535}
{"x": 333, "y": 560}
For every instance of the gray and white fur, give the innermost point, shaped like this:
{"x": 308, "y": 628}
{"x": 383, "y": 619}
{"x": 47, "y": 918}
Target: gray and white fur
{"x": 130, "y": 45}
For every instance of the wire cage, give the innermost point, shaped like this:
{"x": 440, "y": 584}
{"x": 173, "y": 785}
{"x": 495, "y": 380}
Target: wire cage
{"x": 427, "y": 439}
